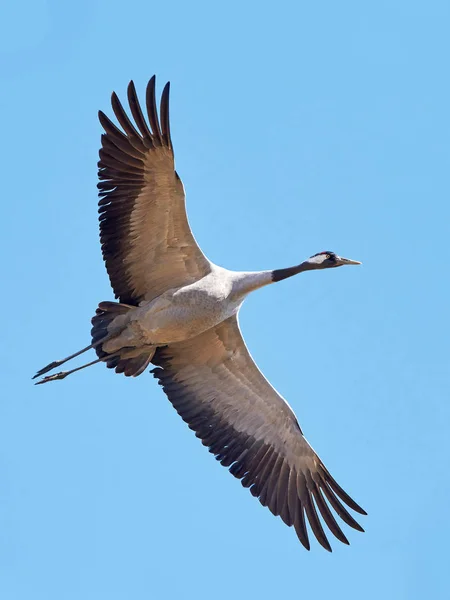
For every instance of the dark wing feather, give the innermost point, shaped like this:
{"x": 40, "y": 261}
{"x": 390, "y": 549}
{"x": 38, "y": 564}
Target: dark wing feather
{"x": 147, "y": 244}
{"x": 215, "y": 386}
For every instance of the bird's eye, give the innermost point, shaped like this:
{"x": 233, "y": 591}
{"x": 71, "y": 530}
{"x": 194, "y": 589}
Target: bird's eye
{"x": 328, "y": 256}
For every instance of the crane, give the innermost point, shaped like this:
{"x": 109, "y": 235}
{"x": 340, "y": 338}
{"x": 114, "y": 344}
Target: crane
{"x": 179, "y": 312}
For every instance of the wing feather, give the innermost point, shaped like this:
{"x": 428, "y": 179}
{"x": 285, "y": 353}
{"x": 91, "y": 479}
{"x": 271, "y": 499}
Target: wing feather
{"x": 215, "y": 386}
{"x": 150, "y": 98}
{"x": 138, "y": 115}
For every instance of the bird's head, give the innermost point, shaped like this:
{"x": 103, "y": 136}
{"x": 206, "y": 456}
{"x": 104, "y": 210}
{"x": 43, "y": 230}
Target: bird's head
{"x": 328, "y": 260}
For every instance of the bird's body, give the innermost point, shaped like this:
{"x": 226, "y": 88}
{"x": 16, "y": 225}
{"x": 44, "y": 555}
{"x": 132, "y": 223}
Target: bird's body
{"x": 179, "y": 311}
{"x": 184, "y": 312}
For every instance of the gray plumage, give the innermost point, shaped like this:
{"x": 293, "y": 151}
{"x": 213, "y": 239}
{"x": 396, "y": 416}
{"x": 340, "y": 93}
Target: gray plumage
{"x": 179, "y": 311}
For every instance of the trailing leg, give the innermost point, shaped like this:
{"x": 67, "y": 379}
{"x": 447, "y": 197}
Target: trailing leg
{"x": 58, "y": 363}
{"x": 100, "y": 333}
{"x": 63, "y": 374}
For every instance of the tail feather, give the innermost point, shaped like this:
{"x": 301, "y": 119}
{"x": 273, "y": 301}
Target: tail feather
{"x": 129, "y": 361}
{"x": 103, "y": 318}
{"x": 132, "y": 367}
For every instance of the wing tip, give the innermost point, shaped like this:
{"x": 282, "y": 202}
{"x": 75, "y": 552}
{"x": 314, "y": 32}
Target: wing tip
{"x": 131, "y": 88}
{"x": 345, "y": 541}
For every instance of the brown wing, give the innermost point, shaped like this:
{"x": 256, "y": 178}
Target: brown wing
{"x": 214, "y": 384}
{"x": 147, "y": 243}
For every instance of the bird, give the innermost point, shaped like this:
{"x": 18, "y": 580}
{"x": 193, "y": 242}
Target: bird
{"x": 177, "y": 311}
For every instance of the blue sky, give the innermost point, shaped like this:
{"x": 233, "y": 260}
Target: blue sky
{"x": 297, "y": 127}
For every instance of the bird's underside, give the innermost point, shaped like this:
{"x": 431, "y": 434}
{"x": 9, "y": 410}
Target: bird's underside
{"x": 179, "y": 311}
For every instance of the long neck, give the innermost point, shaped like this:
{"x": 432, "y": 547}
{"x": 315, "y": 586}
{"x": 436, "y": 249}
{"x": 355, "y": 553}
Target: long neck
{"x": 244, "y": 283}
{"x": 280, "y": 274}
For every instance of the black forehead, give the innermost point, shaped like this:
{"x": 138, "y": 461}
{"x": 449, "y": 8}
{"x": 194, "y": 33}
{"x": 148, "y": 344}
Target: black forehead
{"x": 324, "y": 252}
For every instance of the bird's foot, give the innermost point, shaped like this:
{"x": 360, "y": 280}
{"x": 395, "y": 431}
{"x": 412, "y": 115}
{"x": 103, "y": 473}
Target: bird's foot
{"x": 48, "y": 368}
{"x": 55, "y": 377}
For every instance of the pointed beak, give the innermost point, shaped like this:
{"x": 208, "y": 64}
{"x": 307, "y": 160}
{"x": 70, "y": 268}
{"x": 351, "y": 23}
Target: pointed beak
{"x": 348, "y": 261}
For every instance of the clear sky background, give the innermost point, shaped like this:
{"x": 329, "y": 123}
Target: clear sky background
{"x": 298, "y": 127}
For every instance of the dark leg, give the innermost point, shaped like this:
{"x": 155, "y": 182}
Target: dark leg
{"x": 63, "y": 374}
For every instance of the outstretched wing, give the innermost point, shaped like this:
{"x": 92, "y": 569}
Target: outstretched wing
{"x": 147, "y": 244}
{"x": 214, "y": 384}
